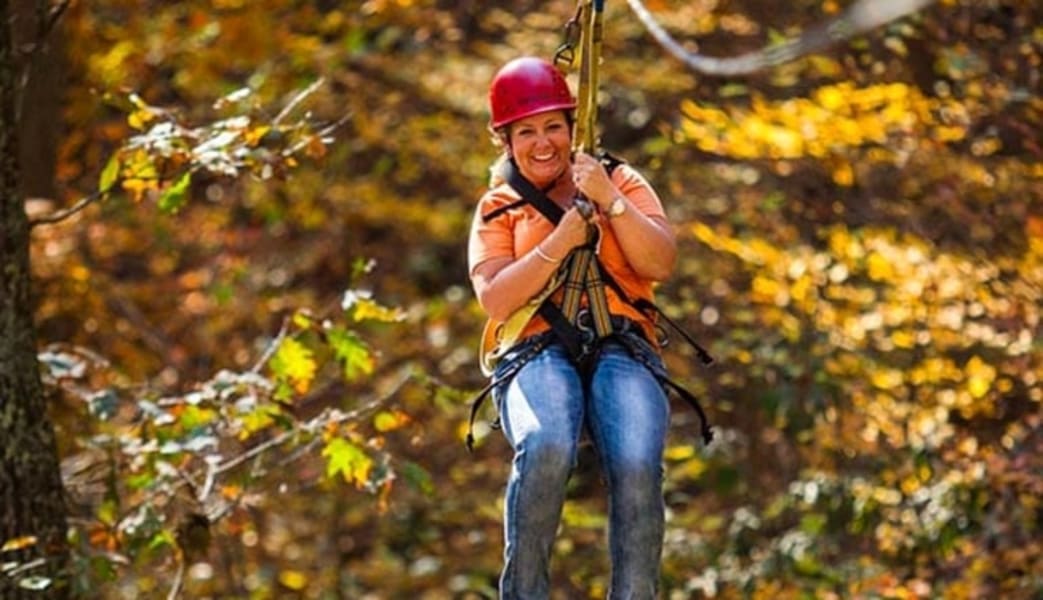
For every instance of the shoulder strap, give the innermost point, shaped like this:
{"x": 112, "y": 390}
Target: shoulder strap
{"x": 530, "y": 193}
{"x": 492, "y": 214}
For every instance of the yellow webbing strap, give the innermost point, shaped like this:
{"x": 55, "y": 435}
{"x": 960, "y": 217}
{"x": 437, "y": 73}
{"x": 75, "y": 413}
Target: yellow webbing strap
{"x": 584, "y": 272}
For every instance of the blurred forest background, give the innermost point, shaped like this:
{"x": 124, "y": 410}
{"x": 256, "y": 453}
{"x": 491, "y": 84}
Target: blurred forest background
{"x": 259, "y": 341}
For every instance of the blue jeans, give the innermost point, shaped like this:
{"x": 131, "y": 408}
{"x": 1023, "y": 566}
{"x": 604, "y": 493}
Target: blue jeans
{"x": 544, "y": 409}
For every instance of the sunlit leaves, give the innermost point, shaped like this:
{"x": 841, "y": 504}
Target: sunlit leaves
{"x": 362, "y": 307}
{"x": 293, "y": 365}
{"x": 347, "y": 460}
{"x": 830, "y": 120}
{"x": 167, "y": 150}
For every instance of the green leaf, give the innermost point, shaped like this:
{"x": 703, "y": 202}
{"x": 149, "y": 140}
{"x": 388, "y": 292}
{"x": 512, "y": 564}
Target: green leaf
{"x": 352, "y": 352}
{"x": 163, "y": 538}
{"x": 348, "y": 460}
{"x": 813, "y": 523}
{"x": 110, "y": 174}
{"x": 418, "y": 477}
{"x": 175, "y": 196}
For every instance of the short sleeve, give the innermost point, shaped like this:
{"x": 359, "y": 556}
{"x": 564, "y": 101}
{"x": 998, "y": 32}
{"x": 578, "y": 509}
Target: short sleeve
{"x": 493, "y": 238}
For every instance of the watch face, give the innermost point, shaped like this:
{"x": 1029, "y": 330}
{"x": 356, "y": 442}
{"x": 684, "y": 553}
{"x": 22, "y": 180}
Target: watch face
{"x": 617, "y": 207}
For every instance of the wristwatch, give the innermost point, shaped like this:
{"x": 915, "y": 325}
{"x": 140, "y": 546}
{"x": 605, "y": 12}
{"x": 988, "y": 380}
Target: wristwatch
{"x": 618, "y": 207}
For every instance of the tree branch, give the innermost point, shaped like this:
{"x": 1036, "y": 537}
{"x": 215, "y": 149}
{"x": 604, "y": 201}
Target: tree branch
{"x": 47, "y": 19}
{"x": 326, "y": 418}
{"x": 308, "y": 91}
{"x": 65, "y": 213}
{"x": 862, "y": 16}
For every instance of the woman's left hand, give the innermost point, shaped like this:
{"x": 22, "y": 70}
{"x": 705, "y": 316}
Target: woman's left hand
{"x": 592, "y": 180}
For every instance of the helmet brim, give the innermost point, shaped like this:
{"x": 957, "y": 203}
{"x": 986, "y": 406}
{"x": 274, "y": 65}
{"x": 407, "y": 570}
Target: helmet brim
{"x": 535, "y": 111}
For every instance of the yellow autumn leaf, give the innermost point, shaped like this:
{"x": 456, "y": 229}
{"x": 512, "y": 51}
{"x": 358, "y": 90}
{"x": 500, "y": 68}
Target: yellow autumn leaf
{"x": 140, "y": 118}
{"x": 903, "y": 339}
{"x": 293, "y": 362}
{"x": 293, "y": 579}
{"x": 832, "y": 97}
{"x": 844, "y": 175}
{"x": 879, "y": 268}
{"x": 980, "y": 376}
{"x": 386, "y": 421}
{"x": 18, "y": 543}
{"x": 886, "y": 379}
{"x": 679, "y": 452}
{"x": 366, "y": 309}
{"x": 348, "y": 460}
{"x": 252, "y": 136}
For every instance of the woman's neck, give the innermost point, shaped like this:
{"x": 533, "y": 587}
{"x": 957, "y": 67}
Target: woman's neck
{"x": 562, "y": 190}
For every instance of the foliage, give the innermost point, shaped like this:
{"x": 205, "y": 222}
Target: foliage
{"x": 263, "y": 316}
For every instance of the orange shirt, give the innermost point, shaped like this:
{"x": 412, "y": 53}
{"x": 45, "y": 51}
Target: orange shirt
{"x": 517, "y": 231}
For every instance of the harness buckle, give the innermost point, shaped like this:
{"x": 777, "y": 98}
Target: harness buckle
{"x": 588, "y": 334}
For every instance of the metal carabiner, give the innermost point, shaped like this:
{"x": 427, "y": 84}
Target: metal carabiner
{"x": 565, "y": 55}
{"x": 585, "y": 325}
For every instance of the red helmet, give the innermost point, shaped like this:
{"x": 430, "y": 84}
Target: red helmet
{"x": 527, "y": 86}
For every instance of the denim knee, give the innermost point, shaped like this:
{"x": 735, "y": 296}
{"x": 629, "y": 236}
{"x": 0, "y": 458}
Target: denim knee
{"x": 547, "y": 459}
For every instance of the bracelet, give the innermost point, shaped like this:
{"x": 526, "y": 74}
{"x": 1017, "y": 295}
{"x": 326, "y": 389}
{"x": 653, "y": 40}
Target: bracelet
{"x": 540, "y": 253}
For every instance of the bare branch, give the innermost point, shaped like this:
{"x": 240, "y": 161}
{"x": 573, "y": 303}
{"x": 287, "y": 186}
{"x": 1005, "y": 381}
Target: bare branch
{"x": 272, "y": 346}
{"x": 320, "y": 134}
{"x": 308, "y": 91}
{"x": 65, "y": 213}
{"x": 47, "y": 19}
{"x": 179, "y": 580}
{"x": 862, "y": 16}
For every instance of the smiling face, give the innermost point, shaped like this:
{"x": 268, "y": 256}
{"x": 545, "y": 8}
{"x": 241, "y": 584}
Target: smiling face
{"x": 541, "y": 146}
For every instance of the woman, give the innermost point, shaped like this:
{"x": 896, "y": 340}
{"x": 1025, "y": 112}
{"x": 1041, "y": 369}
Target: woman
{"x": 546, "y": 396}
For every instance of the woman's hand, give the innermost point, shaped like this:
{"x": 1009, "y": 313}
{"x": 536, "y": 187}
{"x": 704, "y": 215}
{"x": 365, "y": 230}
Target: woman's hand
{"x": 504, "y": 285}
{"x": 570, "y": 232}
{"x": 592, "y": 180}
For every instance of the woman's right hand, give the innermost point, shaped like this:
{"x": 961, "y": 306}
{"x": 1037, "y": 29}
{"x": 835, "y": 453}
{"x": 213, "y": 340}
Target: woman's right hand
{"x": 570, "y": 233}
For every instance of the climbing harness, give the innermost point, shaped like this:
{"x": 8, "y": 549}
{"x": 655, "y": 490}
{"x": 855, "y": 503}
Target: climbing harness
{"x": 581, "y": 330}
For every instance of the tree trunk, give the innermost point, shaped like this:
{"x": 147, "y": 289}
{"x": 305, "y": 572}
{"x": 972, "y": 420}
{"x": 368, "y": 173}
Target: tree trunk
{"x": 40, "y": 120}
{"x": 31, "y": 496}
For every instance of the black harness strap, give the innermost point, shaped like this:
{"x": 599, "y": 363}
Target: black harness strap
{"x": 704, "y": 424}
{"x": 492, "y": 214}
{"x": 646, "y": 306}
{"x": 530, "y": 193}
{"x": 536, "y": 347}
